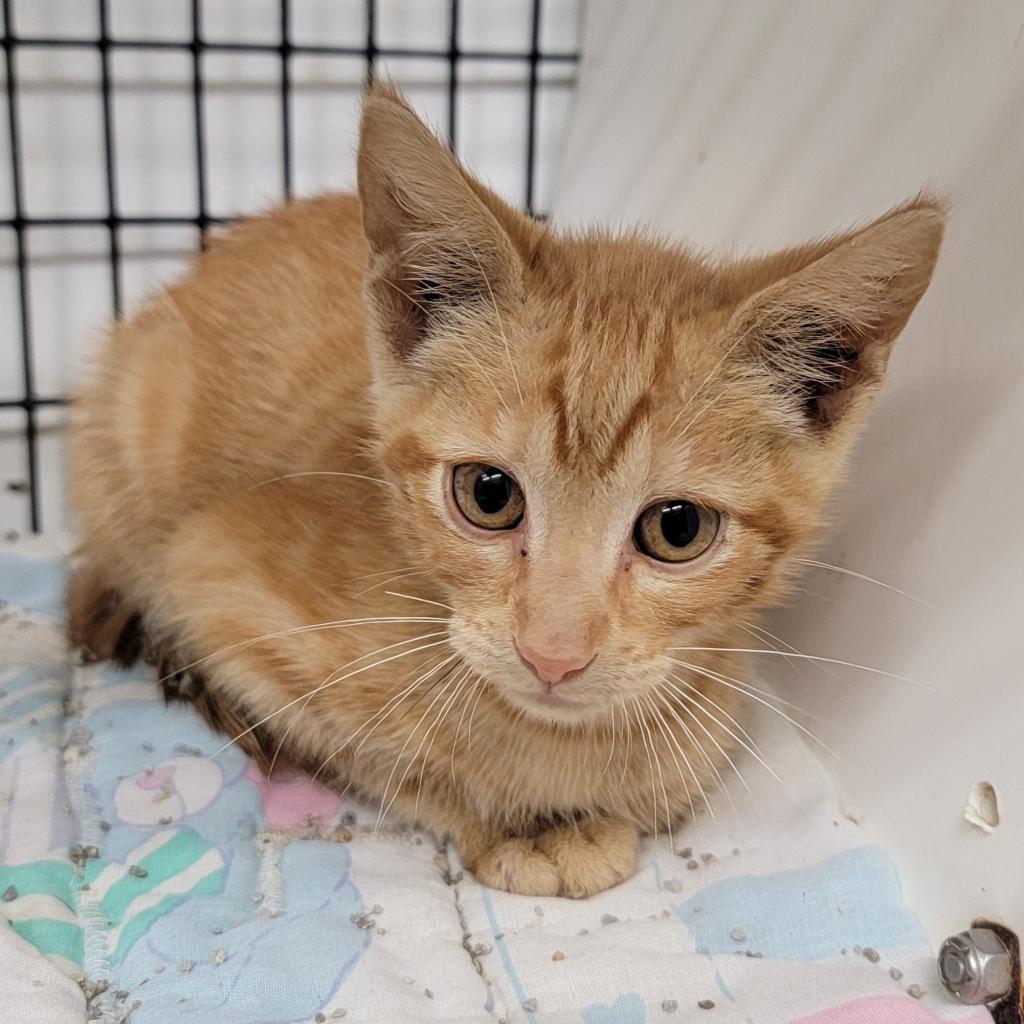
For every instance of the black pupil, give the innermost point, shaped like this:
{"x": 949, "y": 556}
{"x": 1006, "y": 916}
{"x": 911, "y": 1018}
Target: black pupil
{"x": 492, "y": 491}
{"x": 680, "y": 523}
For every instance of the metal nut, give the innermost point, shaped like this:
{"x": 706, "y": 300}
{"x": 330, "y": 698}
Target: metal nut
{"x": 975, "y": 966}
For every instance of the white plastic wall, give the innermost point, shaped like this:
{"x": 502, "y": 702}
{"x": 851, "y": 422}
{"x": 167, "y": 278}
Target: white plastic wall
{"x": 749, "y": 125}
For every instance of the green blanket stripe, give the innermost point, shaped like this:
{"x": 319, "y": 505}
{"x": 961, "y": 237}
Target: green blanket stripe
{"x": 41, "y": 878}
{"x": 169, "y": 860}
{"x": 139, "y": 924}
{"x": 53, "y": 937}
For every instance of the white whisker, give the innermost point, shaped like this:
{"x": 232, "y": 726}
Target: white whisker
{"x": 870, "y": 579}
{"x": 690, "y": 769}
{"x": 472, "y": 715}
{"x": 611, "y": 749}
{"x": 405, "y": 746}
{"x": 710, "y": 735}
{"x": 422, "y": 600}
{"x": 320, "y": 472}
{"x": 739, "y": 687}
{"x": 462, "y": 718}
{"x": 388, "y": 582}
{"x": 330, "y": 681}
{"x": 298, "y": 631}
{"x": 750, "y": 747}
{"x": 650, "y": 763}
{"x": 382, "y": 713}
{"x": 815, "y": 657}
{"x": 434, "y": 729}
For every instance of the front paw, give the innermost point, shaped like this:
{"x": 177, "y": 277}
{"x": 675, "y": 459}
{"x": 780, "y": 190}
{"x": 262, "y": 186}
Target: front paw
{"x": 573, "y": 860}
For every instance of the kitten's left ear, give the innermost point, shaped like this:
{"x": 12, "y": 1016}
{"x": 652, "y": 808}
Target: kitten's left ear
{"x": 440, "y": 243}
{"x": 824, "y": 333}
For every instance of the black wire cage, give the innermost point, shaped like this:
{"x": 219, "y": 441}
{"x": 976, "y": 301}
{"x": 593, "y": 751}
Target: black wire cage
{"x": 24, "y": 403}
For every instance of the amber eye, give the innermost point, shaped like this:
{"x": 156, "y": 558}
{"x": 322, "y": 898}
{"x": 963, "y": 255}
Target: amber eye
{"x": 487, "y": 496}
{"x": 676, "y": 530}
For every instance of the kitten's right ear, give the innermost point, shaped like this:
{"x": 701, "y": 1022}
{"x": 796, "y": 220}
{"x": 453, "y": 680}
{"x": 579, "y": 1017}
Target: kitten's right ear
{"x": 436, "y": 249}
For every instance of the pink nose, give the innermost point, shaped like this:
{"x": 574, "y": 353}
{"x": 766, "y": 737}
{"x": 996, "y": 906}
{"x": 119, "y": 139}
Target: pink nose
{"x": 559, "y": 668}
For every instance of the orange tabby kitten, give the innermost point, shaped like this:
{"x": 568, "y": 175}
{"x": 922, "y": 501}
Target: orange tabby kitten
{"x": 450, "y": 507}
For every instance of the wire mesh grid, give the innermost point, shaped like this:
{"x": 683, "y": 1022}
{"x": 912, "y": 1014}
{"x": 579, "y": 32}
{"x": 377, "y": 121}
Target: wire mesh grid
{"x": 197, "y": 47}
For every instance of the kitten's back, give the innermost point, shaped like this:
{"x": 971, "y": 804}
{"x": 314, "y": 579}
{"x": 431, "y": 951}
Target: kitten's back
{"x": 251, "y": 366}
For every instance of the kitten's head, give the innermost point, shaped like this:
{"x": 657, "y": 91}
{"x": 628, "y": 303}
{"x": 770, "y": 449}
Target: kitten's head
{"x": 607, "y": 447}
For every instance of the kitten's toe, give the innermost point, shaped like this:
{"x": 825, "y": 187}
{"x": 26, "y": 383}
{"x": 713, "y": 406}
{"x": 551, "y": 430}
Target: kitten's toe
{"x": 516, "y": 865}
{"x": 591, "y": 856}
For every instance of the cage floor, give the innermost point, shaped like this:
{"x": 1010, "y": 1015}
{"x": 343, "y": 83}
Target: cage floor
{"x": 145, "y": 882}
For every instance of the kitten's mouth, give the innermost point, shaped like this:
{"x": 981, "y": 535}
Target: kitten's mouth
{"x": 553, "y": 705}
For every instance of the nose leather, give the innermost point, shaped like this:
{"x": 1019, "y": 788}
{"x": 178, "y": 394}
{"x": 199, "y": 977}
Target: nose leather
{"x": 557, "y": 666}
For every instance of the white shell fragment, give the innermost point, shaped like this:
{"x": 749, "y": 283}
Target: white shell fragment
{"x": 982, "y": 810}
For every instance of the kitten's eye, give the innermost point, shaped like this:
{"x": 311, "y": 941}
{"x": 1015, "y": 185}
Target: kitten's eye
{"x": 487, "y": 496}
{"x": 676, "y": 530}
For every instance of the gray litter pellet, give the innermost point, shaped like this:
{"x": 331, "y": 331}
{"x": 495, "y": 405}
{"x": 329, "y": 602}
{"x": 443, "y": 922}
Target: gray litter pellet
{"x": 10, "y": 894}
{"x": 608, "y": 919}
{"x": 137, "y": 872}
{"x": 530, "y": 1005}
{"x": 539, "y": 911}
{"x": 673, "y": 885}
{"x": 219, "y": 956}
{"x": 319, "y": 1018}
{"x": 738, "y": 935}
{"x": 692, "y": 865}
{"x": 895, "y": 973}
{"x": 376, "y": 909}
{"x": 338, "y": 1013}
{"x": 428, "y": 993}
{"x": 670, "y": 1005}
{"x": 105, "y": 826}
{"x": 686, "y": 852}
{"x": 708, "y": 857}
{"x": 915, "y": 991}
{"x": 735, "y": 851}
{"x": 165, "y": 820}
{"x": 217, "y": 931}
{"x": 185, "y": 966}
{"x": 706, "y": 1004}
{"x": 148, "y": 747}
{"x": 37, "y": 983}
{"x": 870, "y": 953}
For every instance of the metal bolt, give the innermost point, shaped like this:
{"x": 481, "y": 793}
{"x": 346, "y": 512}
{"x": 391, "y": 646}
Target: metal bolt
{"x": 975, "y": 966}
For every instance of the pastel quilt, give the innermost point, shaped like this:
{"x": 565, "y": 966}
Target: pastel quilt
{"x": 146, "y": 879}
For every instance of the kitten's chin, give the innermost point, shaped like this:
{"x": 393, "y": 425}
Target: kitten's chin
{"x": 554, "y": 708}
